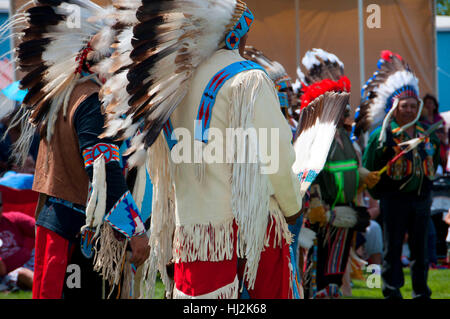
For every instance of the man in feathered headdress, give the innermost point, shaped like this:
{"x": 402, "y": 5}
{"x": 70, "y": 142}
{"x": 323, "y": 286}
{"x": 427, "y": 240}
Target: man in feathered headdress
{"x": 391, "y": 99}
{"x": 86, "y": 216}
{"x": 333, "y": 215}
{"x": 184, "y": 84}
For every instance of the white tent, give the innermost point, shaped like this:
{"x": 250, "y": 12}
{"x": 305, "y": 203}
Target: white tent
{"x": 4, "y": 5}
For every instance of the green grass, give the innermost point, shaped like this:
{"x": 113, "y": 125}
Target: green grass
{"x": 16, "y": 295}
{"x": 438, "y": 280}
{"x": 159, "y": 293}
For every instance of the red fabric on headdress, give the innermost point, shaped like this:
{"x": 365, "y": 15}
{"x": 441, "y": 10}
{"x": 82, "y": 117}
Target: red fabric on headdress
{"x": 387, "y": 55}
{"x": 313, "y": 91}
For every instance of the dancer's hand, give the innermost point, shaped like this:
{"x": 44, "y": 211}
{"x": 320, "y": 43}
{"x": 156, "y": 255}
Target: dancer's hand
{"x": 291, "y": 220}
{"x": 140, "y": 249}
{"x": 372, "y": 179}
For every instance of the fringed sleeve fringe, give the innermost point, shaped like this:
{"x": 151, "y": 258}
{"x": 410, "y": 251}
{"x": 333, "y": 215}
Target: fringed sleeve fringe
{"x": 251, "y": 190}
{"x": 162, "y": 222}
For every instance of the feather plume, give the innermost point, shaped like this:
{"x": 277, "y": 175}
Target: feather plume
{"x": 315, "y": 134}
{"x": 53, "y": 50}
{"x": 322, "y": 65}
{"x": 168, "y": 42}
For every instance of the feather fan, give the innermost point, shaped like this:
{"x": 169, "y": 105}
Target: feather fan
{"x": 323, "y": 102}
{"x": 315, "y": 134}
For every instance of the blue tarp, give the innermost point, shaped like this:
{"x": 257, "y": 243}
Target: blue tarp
{"x": 13, "y": 92}
{"x": 16, "y": 180}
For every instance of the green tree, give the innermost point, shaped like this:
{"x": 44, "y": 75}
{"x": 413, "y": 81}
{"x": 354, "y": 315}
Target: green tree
{"x": 443, "y": 7}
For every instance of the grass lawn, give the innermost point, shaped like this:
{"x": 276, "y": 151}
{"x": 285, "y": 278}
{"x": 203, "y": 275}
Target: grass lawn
{"x": 438, "y": 280}
{"x": 159, "y": 293}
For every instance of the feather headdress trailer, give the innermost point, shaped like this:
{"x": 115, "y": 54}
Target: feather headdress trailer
{"x": 160, "y": 53}
{"x": 61, "y": 40}
{"x": 277, "y": 73}
{"x": 275, "y": 70}
{"x": 393, "y": 80}
{"x": 323, "y": 102}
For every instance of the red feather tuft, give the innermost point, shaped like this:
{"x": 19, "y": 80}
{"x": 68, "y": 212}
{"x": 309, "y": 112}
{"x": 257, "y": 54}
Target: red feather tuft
{"x": 387, "y": 55}
{"x": 313, "y": 91}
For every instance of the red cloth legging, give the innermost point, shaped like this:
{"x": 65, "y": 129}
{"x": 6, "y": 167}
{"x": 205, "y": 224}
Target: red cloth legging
{"x": 273, "y": 279}
{"x": 51, "y": 259}
{"x": 203, "y": 277}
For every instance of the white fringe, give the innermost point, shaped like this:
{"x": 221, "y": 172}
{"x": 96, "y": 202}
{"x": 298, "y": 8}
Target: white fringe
{"x": 108, "y": 260}
{"x": 21, "y": 147}
{"x": 250, "y": 189}
{"x": 126, "y": 290}
{"x": 204, "y": 242}
{"x": 282, "y": 232}
{"x": 162, "y": 221}
{"x": 95, "y": 210}
{"x": 140, "y": 185}
{"x": 227, "y": 292}
{"x": 386, "y": 121}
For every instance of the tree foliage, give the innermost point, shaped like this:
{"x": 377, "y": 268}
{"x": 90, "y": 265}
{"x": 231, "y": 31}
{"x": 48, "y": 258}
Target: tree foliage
{"x": 443, "y": 7}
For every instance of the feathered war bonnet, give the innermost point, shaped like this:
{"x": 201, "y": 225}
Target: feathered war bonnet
{"x": 57, "y": 48}
{"x": 324, "y": 95}
{"x": 393, "y": 81}
{"x": 275, "y": 71}
{"x": 159, "y": 56}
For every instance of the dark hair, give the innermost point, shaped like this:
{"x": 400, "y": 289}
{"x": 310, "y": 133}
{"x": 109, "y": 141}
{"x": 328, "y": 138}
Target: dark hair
{"x": 433, "y": 98}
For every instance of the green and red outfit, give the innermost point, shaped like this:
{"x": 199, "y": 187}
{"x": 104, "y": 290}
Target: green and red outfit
{"x": 405, "y": 201}
{"x": 338, "y": 183}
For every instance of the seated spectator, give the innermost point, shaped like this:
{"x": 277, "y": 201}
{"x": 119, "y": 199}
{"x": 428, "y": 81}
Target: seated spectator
{"x": 18, "y": 195}
{"x": 430, "y": 115}
{"x": 372, "y": 249}
{"x": 430, "y": 112}
{"x": 16, "y": 250}
{"x": 443, "y": 151}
